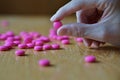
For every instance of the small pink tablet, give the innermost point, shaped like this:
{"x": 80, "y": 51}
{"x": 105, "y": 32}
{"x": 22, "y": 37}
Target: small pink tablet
{"x": 65, "y": 42}
{"x": 44, "y": 62}
{"x": 79, "y": 39}
{"x": 19, "y": 53}
{"x": 47, "y": 47}
{"x": 4, "y": 23}
{"x": 22, "y": 46}
{"x": 55, "y": 46}
{"x": 30, "y": 45}
{"x": 90, "y": 58}
{"x": 57, "y": 24}
{"x": 38, "y": 48}
{"x": 4, "y": 48}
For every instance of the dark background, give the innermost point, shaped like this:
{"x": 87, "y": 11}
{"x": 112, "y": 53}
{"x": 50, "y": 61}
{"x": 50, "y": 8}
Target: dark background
{"x": 30, "y": 6}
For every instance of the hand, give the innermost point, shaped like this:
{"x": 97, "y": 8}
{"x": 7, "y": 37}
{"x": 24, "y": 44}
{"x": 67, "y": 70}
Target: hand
{"x": 98, "y": 21}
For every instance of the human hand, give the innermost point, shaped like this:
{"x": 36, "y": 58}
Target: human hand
{"x": 98, "y": 21}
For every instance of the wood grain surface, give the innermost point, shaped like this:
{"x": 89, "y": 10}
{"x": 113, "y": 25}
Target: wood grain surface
{"x": 67, "y": 63}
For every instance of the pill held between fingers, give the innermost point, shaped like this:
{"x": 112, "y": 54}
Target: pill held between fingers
{"x": 57, "y": 24}
{"x": 20, "y": 53}
{"x": 90, "y": 58}
{"x": 44, "y": 62}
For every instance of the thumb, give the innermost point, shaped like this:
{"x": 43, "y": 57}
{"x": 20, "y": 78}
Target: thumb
{"x": 90, "y": 31}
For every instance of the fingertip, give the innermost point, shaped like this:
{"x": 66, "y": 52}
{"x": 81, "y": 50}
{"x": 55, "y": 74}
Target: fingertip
{"x": 52, "y": 19}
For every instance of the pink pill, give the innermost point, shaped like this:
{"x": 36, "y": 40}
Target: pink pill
{"x": 47, "y": 47}
{"x": 23, "y": 33}
{"x": 16, "y": 43}
{"x": 53, "y": 32}
{"x": 35, "y": 34}
{"x": 55, "y": 46}
{"x": 4, "y": 23}
{"x": 10, "y": 44}
{"x": 90, "y": 59}
{"x": 17, "y": 38}
{"x": 65, "y": 42}
{"x": 4, "y": 48}
{"x": 39, "y": 43}
{"x": 38, "y": 48}
{"x": 30, "y": 45}
{"x": 22, "y": 46}
{"x": 27, "y": 39}
{"x": 57, "y": 24}
{"x": 79, "y": 39}
{"x": 62, "y": 38}
{"x": 20, "y": 53}
{"x": 44, "y": 62}
{"x": 54, "y": 37}
{"x": 10, "y": 33}
{"x": 3, "y": 37}
{"x": 44, "y": 39}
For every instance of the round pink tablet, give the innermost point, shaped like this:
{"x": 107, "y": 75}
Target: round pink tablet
{"x": 4, "y": 23}
{"x": 17, "y": 38}
{"x": 27, "y": 39}
{"x": 57, "y": 24}
{"x": 4, "y": 48}
{"x": 30, "y": 45}
{"x": 10, "y": 33}
{"x": 65, "y": 42}
{"x": 9, "y": 44}
{"x": 55, "y": 46}
{"x": 19, "y": 53}
{"x": 47, "y": 47}
{"x": 90, "y": 59}
{"x": 44, "y": 39}
{"x": 62, "y": 38}
{"x": 3, "y": 37}
{"x": 38, "y": 48}
{"x": 39, "y": 43}
{"x": 22, "y": 46}
{"x": 10, "y": 39}
{"x": 79, "y": 39}
{"x": 16, "y": 43}
{"x": 44, "y": 62}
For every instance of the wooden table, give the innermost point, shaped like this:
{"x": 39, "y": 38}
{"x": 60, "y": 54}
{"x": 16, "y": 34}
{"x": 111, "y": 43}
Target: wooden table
{"x": 67, "y": 63}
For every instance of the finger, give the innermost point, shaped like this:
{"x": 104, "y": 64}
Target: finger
{"x": 90, "y": 31}
{"x": 95, "y": 44}
{"x": 72, "y": 7}
{"x": 87, "y": 42}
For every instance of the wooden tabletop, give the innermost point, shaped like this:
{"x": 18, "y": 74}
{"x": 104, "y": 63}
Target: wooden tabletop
{"x": 67, "y": 63}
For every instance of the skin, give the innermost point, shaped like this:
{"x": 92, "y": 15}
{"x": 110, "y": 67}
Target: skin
{"x": 98, "y": 21}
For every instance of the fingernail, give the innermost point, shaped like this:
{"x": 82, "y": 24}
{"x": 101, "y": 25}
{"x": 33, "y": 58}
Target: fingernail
{"x": 52, "y": 18}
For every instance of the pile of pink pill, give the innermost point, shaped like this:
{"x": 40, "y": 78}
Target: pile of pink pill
{"x": 34, "y": 40}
